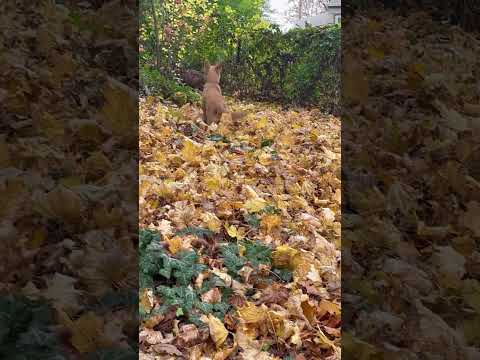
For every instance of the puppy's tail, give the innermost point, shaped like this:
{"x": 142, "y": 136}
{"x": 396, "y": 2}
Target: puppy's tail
{"x": 237, "y": 115}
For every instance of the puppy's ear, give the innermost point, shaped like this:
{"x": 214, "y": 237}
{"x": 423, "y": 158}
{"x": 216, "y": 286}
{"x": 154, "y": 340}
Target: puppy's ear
{"x": 206, "y": 67}
{"x": 218, "y": 68}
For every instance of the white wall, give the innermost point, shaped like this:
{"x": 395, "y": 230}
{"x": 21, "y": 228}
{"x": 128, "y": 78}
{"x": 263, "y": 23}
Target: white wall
{"x": 321, "y": 19}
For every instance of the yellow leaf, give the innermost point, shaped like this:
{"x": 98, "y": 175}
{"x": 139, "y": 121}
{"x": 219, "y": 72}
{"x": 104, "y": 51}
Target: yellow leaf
{"x": 107, "y": 218}
{"x": 97, "y": 163}
{"x": 214, "y": 183}
{"x": 323, "y": 341}
{"x": 418, "y": 68}
{"x": 160, "y": 157}
{"x": 120, "y": 109}
{"x": 355, "y": 83}
{"x": 223, "y": 129}
{"x": 286, "y": 139}
{"x": 326, "y": 306}
{"x": 314, "y": 135}
{"x": 296, "y": 338}
{"x": 212, "y": 221}
{"x": 373, "y": 26}
{"x": 174, "y": 244}
{"x": 269, "y": 222}
{"x": 283, "y": 256}
{"x": 166, "y": 132}
{"x": 280, "y": 325}
{"x": 250, "y": 313}
{"x": 241, "y": 250}
{"x": 376, "y": 53}
{"x": 302, "y": 264}
{"x": 146, "y": 300}
{"x": 265, "y": 159}
{"x": 250, "y": 192}
{"x": 191, "y": 152}
{"x": 255, "y": 205}
{"x": 38, "y": 238}
{"x": 308, "y": 311}
{"x": 314, "y": 275}
{"x": 62, "y": 203}
{"x": 233, "y": 232}
{"x": 87, "y": 333}
{"x": 71, "y": 181}
{"x": 218, "y": 332}
{"x": 262, "y": 123}
{"x": 50, "y": 126}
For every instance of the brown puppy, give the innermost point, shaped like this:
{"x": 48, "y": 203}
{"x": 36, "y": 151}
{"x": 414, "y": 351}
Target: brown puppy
{"x": 213, "y": 102}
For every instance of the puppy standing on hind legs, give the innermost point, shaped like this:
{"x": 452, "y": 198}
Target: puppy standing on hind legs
{"x": 213, "y": 103}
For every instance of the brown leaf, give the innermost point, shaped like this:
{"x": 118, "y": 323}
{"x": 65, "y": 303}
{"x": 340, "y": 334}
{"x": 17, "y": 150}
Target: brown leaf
{"x": 168, "y": 349}
{"x": 212, "y": 296}
{"x": 275, "y": 294}
{"x": 188, "y": 335}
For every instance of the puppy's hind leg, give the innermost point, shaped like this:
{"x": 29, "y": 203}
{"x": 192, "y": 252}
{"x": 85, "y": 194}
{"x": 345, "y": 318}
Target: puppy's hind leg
{"x": 204, "y": 112}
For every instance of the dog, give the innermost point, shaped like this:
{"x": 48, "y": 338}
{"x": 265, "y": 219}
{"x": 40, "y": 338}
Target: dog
{"x": 213, "y": 103}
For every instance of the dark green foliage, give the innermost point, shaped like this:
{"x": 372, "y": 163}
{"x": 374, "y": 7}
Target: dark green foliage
{"x": 116, "y": 299}
{"x": 172, "y": 277}
{"x": 197, "y": 231}
{"x": 266, "y": 142}
{"x": 301, "y": 66}
{"x": 218, "y": 137}
{"x": 284, "y": 274}
{"x": 25, "y": 330}
{"x": 181, "y": 296}
{"x": 155, "y": 83}
{"x": 260, "y": 62}
{"x": 231, "y": 259}
{"x": 256, "y": 253}
{"x": 188, "y": 300}
{"x": 252, "y": 220}
{"x": 270, "y": 209}
{"x": 212, "y": 282}
{"x": 151, "y": 262}
{"x": 182, "y": 269}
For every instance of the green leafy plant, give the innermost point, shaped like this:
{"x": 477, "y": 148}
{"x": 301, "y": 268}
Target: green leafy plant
{"x": 197, "y": 231}
{"x": 26, "y": 330}
{"x": 151, "y": 262}
{"x": 171, "y": 277}
{"x": 256, "y": 253}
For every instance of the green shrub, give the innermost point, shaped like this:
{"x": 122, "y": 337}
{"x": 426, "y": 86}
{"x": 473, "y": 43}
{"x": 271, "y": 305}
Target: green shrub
{"x": 299, "y": 67}
{"x": 314, "y": 75}
{"x": 160, "y": 85}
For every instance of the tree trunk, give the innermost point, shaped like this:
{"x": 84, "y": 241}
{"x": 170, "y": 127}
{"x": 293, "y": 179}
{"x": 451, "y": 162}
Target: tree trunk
{"x": 239, "y": 49}
{"x": 155, "y": 27}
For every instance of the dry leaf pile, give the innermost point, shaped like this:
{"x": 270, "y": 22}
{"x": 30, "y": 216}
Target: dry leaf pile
{"x": 412, "y": 189}
{"x": 245, "y": 217}
{"x": 67, "y": 166}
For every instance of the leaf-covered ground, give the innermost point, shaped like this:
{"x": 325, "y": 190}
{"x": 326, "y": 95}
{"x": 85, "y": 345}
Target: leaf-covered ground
{"x": 411, "y": 229}
{"x": 67, "y": 166}
{"x": 240, "y": 234}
